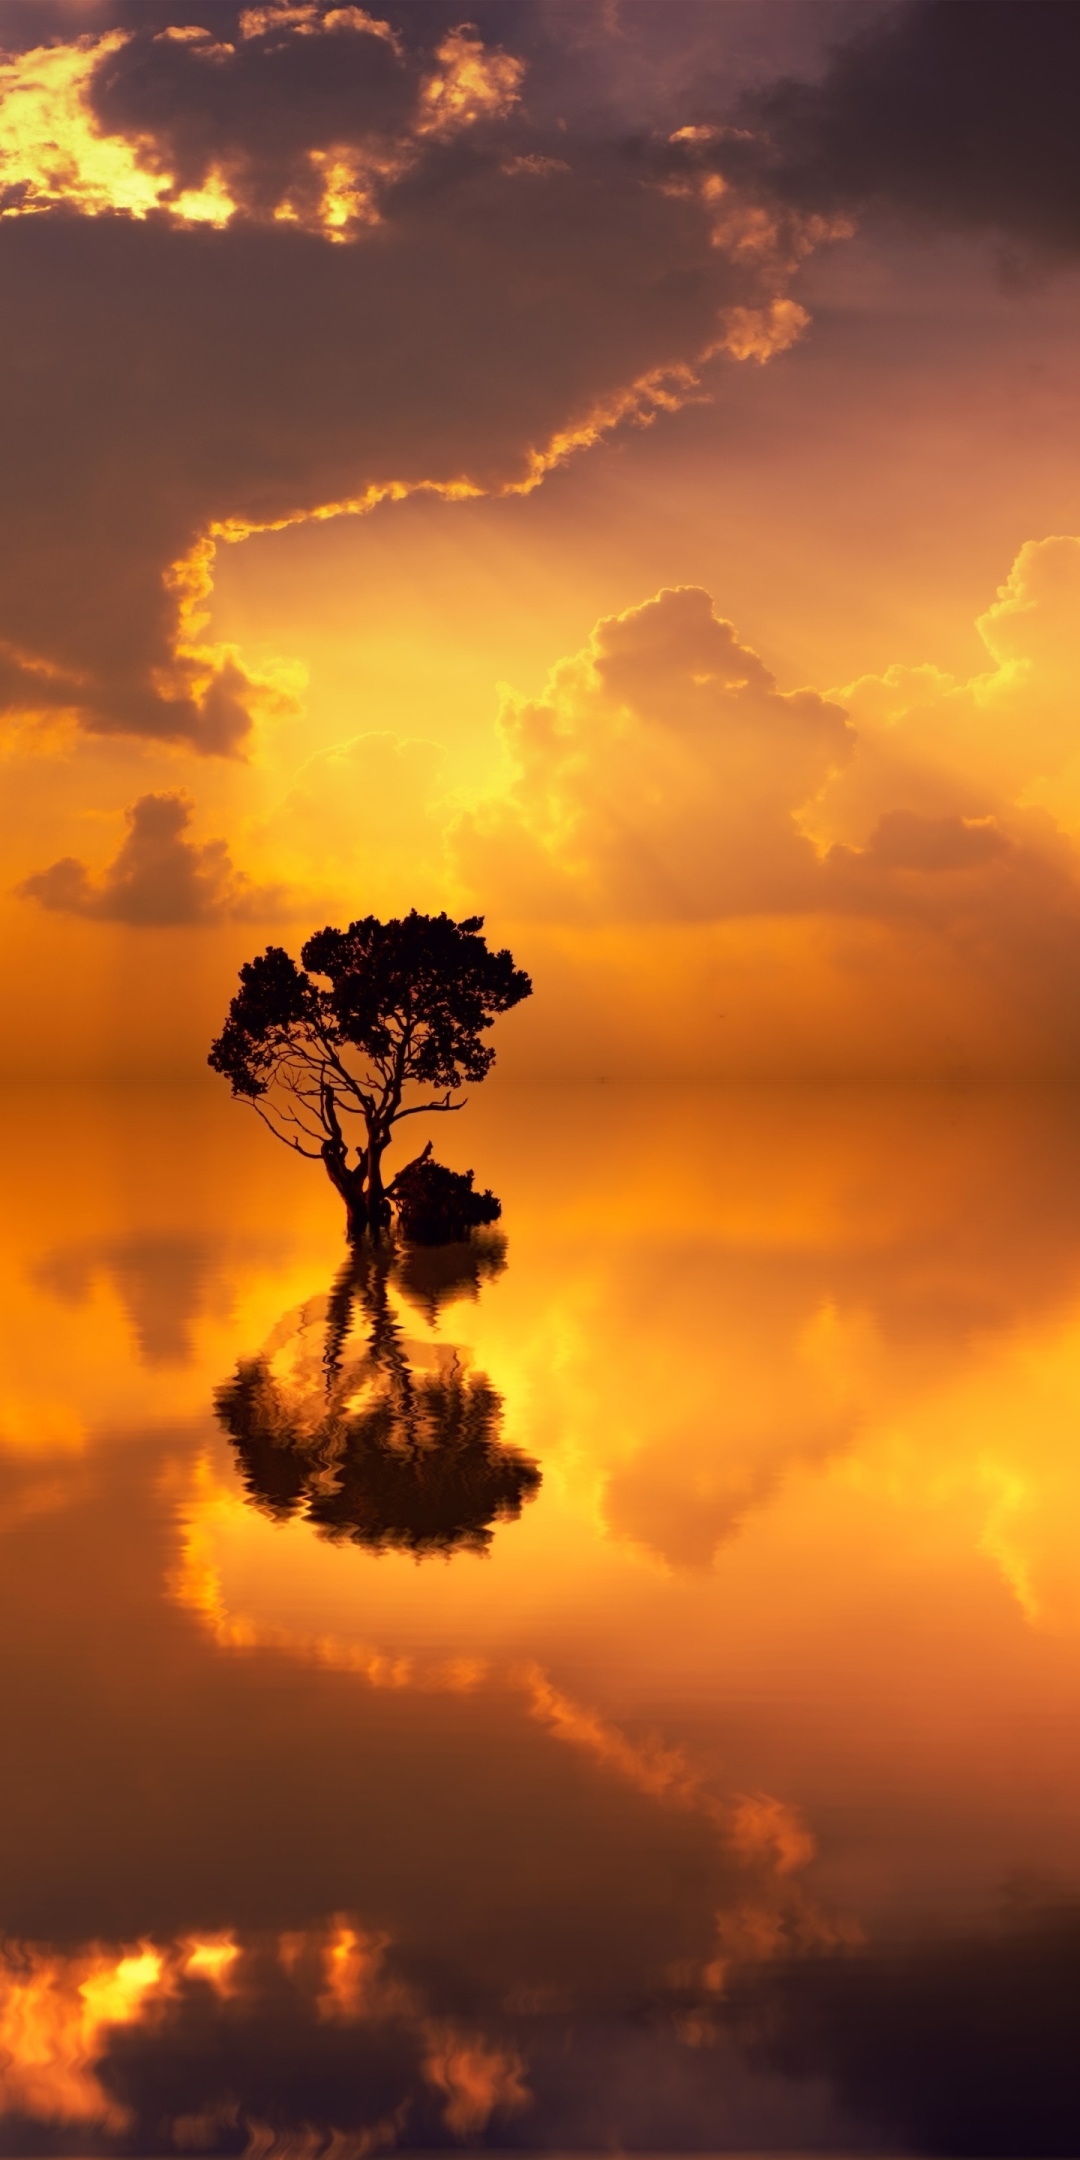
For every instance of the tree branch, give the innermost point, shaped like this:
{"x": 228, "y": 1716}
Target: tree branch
{"x": 283, "y": 1137}
{"x": 406, "y": 1167}
{"x": 348, "y": 1079}
{"x": 419, "y": 1108}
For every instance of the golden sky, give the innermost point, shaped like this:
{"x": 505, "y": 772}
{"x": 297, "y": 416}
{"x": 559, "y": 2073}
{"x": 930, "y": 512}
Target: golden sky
{"x": 615, "y": 471}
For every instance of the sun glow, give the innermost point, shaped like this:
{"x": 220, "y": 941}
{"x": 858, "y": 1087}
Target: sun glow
{"x": 470, "y": 84}
{"x": 52, "y": 152}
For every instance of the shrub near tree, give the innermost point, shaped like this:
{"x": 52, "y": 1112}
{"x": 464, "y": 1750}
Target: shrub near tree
{"x": 374, "y": 1017}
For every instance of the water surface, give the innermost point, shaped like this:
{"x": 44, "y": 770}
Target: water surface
{"x": 694, "y": 1763}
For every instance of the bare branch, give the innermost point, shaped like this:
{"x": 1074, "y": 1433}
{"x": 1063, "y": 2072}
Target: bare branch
{"x": 283, "y": 1137}
{"x": 347, "y": 1079}
{"x": 406, "y": 1167}
{"x": 289, "y": 1119}
{"x": 419, "y": 1108}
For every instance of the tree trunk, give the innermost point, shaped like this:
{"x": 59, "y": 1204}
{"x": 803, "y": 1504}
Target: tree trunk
{"x": 356, "y": 1215}
{"x": 377, "y": 1204}
{"x": 350, "y": 1184}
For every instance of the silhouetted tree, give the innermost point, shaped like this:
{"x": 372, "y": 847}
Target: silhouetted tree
{"x": 397, "y": 1006}
{"x": 377, "y": 1454}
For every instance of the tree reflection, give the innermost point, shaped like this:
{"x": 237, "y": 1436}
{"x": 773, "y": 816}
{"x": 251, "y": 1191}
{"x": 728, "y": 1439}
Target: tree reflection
{"x": 431, "y": 1276}
{"x": 376, "y": 1441}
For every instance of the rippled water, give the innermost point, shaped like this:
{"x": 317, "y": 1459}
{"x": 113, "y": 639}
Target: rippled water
{"x": 619, "y": 1690}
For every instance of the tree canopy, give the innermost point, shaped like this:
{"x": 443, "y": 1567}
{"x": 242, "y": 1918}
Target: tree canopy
{"x": 372, "y": 1014}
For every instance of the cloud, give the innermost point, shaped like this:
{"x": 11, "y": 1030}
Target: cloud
{"x": 158, "y": 876}
{"x": 909, "y": 838}
{"x": 659, "y": 776}
{"x": 663, "y": 775}
{"x": 999, "y": 742}
{"x": 316, "y": 259}
{"x": 958, "y": 116}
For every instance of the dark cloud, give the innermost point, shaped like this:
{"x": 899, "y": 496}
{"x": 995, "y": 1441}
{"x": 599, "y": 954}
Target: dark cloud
{"x": 443, "y": 260}
{"x": 961, "y": 2046}
{"x": 962, "y": 115}
{"x": 419, "y": 284}
{"x": 608, "y": 70}
{"x": 257, "y": 92}
{"x": 902, "y": 840}
{"x": 157, "y": 876}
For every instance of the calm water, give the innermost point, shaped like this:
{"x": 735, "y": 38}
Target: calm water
{"x": 625, "y": 1696}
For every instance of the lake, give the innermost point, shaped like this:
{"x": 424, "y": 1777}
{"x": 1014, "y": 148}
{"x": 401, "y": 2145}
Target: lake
{"x": 616, "y": 1687}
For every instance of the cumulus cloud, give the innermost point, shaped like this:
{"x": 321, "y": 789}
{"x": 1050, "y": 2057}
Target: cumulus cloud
{"x": 158, "y": 876}
{"x": 658, "y": 775}
{"x": 999, "y": 743}
{"x": 285, "y": 261}
{"x": 910, "y": 838}
{"x": 662, "y": 773}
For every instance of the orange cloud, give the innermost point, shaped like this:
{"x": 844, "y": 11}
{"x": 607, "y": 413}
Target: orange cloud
{"x": 469, "y": 84}
{"x": 1001, "y": 744}
{"x": 52, "y": 151}
{"x": 158, "y": 877}
{"x": 306, "y": 299}
{"x": 212, "y": 1959}
{"x": 310, "y": 20}
{"x": 897, "y": 858}
{"x": 763, "y": 1827}
{"x": 659, "y": 776}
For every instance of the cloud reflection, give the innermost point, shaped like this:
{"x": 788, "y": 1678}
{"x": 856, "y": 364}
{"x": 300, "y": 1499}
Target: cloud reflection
{"x": 243, "y": 2046}
{"x": 165, "y": 1282}
{"x": 951, "y": 2046}
{"x": 648, "y": 1841}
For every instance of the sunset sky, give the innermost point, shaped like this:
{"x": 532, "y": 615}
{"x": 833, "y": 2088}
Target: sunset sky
{"x": 607, "y": 1683}
{"x": 606, "y": 465}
